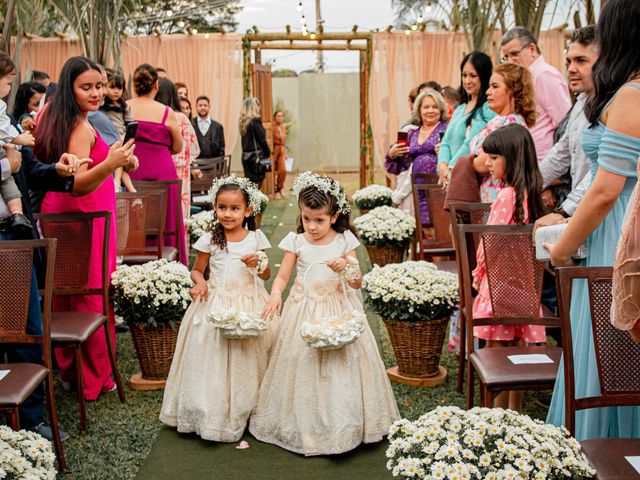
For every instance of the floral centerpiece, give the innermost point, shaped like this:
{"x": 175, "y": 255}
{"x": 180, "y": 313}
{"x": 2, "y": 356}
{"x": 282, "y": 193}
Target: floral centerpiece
{"x": 152, "y": 298}
{"x": 25, "y": 454}
{"x": 373, "y": 196}
{"x": 386, "y": 232}
{"x": 415, "y": 300}
{"x": 199, "y": 223}
{"x": 483, "y": 443}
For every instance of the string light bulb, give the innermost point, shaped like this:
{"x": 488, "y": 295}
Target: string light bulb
{"x": 407, "y": 32}
{"x": 428, "y": 8}
{"x": 420, "y": 19}
{"x": 414, "y": 27}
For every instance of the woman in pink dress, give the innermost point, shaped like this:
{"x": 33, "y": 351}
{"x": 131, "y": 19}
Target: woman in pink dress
{"x": 63, "y": 127}
{"x": 158, "y": 137}
{"x": 168, "y": 95}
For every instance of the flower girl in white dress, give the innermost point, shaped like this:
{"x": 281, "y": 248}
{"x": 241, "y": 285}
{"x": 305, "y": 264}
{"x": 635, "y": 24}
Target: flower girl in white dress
{"x": 213, "y": 382}
{"x": 314, "y": 401}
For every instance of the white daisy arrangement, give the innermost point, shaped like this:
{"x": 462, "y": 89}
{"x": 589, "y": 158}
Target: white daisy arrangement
{"x": 324, "y": 184}
{"x": 332, "y": 333}
{"x": 25, "y": 454}
{"x": 235, "y": 324}
{"x": 483, "y": 443}
{"x": 372, "y": 196}
{"x": 199, "y": 224}
{"x": 256, "y": 197}
{"x": 386, "y": 226}
{"x": 154, "y": 292}
{"x": 412, "y": 291}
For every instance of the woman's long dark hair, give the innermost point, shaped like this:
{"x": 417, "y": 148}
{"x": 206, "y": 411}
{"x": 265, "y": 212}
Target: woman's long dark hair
{"x": 168, "y": 94}
{"x": 618, "y": 30}
{"x": 316, "y": 199}
{"x": 23, "y": 96}
{"x": 218, "y": 236}
{"x": 62, "y": 113}
{"x": 515, "y": 144}
{"x": 482, "y": 63}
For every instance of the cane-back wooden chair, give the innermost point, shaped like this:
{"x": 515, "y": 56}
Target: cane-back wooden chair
{"x": 515, "y": 285}
{"x": 16, "y": 264}
{"x": 618, "y": 368}
{"x": 75, "y": 234}
{"x": 211, "y": 169}
{"x": 474, "y": 214}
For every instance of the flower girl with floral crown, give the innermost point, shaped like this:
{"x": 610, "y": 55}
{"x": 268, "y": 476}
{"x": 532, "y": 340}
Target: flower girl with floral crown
{"x": 224, "y": 345}
{"x": 326, "y": 389}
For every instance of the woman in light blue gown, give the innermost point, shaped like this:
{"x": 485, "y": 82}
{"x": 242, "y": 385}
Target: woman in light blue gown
{"x": 612, "y": 143}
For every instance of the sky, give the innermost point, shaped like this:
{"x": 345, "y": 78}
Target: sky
{"x": 338, "y": 16}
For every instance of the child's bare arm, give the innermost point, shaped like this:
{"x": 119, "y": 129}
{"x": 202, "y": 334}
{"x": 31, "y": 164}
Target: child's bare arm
{"x": 274, "y": 304}
{"x": 201, "y": 290}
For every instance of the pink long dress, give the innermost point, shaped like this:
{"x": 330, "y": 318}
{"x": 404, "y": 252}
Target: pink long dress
{"x": 153, "y": 149}
{"x": 96, "y": 368}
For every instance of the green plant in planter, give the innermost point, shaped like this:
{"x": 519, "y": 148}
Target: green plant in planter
{"x": 155, "y": 292}
{"x": 386, "y": 226}
{"x": 411, "y": 292}
{"x": 373, "y": 196}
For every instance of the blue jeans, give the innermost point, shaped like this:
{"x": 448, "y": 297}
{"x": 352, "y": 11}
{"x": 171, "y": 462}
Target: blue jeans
{"x": 32, "y": 410}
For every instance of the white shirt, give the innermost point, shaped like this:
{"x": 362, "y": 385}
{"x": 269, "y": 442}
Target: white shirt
{"x": 203, "y": 125}
{"x": 567, "y": 155}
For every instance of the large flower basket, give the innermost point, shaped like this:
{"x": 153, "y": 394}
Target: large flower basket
{"x": 483, "y": 443}
{"x": 371, "y": 197}
{"x": 417, "y": 347}
{"x": 152, "y": 298}
{"x": 415, "y": 300}
{"x": 155, "y": 347}
{"x": 386, "y": 232}
{"x": 382, "y": 255}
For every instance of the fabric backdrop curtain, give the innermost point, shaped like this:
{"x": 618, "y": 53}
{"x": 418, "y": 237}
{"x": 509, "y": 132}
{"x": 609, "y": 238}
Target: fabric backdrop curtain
{"x": 208, "y": 66}
{"x": 401, "y": 62}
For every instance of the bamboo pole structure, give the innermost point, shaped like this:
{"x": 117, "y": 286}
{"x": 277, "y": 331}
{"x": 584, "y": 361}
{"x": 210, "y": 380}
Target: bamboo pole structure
{"x": 273, "y": 45}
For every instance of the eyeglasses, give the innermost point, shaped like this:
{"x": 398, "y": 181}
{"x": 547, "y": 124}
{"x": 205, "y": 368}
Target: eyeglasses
{"x": 515, "y": 54}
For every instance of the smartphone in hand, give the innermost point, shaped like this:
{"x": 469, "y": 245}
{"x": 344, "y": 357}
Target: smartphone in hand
{"x": 132, "y": 128}
{"x": 403, "y": 139}
{"x": 440, "y": 136}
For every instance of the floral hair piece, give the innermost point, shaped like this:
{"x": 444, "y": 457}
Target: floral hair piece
{"x": 256, "y": 197}
{"x": 324, "y": 184}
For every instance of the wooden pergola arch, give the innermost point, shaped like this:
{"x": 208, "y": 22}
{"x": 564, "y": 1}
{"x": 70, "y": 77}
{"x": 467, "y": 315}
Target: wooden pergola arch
{"x": 336, "y": 41}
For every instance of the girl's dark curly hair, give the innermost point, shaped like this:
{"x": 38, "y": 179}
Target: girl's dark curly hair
{"x": 218, "y": 237}
{"x": 521, "y": 171}
{"x": 315, "y": 199}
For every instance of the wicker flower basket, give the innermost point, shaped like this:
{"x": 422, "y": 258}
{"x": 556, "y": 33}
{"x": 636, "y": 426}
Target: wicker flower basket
{"x": 382, "y": 255}
{"x": 418, "y": 347}
{"x": 154, "y": 347}
{"x": 364, "y": 211}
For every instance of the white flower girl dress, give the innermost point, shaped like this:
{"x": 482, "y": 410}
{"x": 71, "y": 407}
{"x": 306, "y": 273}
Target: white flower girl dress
{"x": 317, "y": 402}
{"x": 213, "y": 382}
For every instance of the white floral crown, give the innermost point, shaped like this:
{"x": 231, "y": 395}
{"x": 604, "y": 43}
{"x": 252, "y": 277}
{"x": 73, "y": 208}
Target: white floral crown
{"x": 256, "y": 197}
{"x": 324, "y": 184}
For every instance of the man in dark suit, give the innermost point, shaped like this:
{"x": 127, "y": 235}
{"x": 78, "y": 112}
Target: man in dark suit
{"x": 209, "y": 132}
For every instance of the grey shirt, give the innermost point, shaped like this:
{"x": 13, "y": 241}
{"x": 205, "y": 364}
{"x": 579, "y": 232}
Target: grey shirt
{"x": 567, "y": 155}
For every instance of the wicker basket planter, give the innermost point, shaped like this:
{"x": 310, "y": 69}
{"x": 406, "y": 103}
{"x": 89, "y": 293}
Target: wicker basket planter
{"x": 155, "y": 347}
{"x": 418, "y": 346}
{"x": 364, "y": 211}
{"x": 384, "y": 254}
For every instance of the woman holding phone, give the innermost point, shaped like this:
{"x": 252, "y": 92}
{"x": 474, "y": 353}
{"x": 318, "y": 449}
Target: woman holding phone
{"x": 419, "y": 155}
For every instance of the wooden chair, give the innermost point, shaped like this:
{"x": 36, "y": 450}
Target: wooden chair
{"x": 211, "y": 169}
{"x": 74, "y": 232}
{"x": 475, "y": 214}
{"x": 618, "y": 367}
{"x": 515, "y": 283}
{"x": 165, "y": 185}
{"x": 16, "y": 264}
{"x": 141, "y": 217}
{"x": 433, "y": 239}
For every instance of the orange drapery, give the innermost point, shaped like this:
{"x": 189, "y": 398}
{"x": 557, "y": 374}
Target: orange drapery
{"x": 208, "y": 66}
{"x": 401, "y": 62}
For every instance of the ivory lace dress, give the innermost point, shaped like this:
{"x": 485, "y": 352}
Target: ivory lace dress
{"x": 213, "y": 382}
{"x": 317, "y": 402}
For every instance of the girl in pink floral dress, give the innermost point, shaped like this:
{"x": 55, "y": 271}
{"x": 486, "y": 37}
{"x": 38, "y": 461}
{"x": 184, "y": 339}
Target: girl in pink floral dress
{"x": 511, "y": 160}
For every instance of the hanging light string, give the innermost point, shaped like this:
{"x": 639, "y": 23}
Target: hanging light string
{"x": 420, "y": 21}
{"x": 303, "y": 19}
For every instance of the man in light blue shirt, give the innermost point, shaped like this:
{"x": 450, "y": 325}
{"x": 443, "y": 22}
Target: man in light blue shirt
{"x": 567, "y": 154}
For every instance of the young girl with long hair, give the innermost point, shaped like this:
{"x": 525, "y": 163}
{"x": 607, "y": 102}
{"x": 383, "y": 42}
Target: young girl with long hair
{"x": 311, "y": 401}
{"x": 213, "y": 381}
{"x": 63, "y": 127}
{"x": 511, "y": 159}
